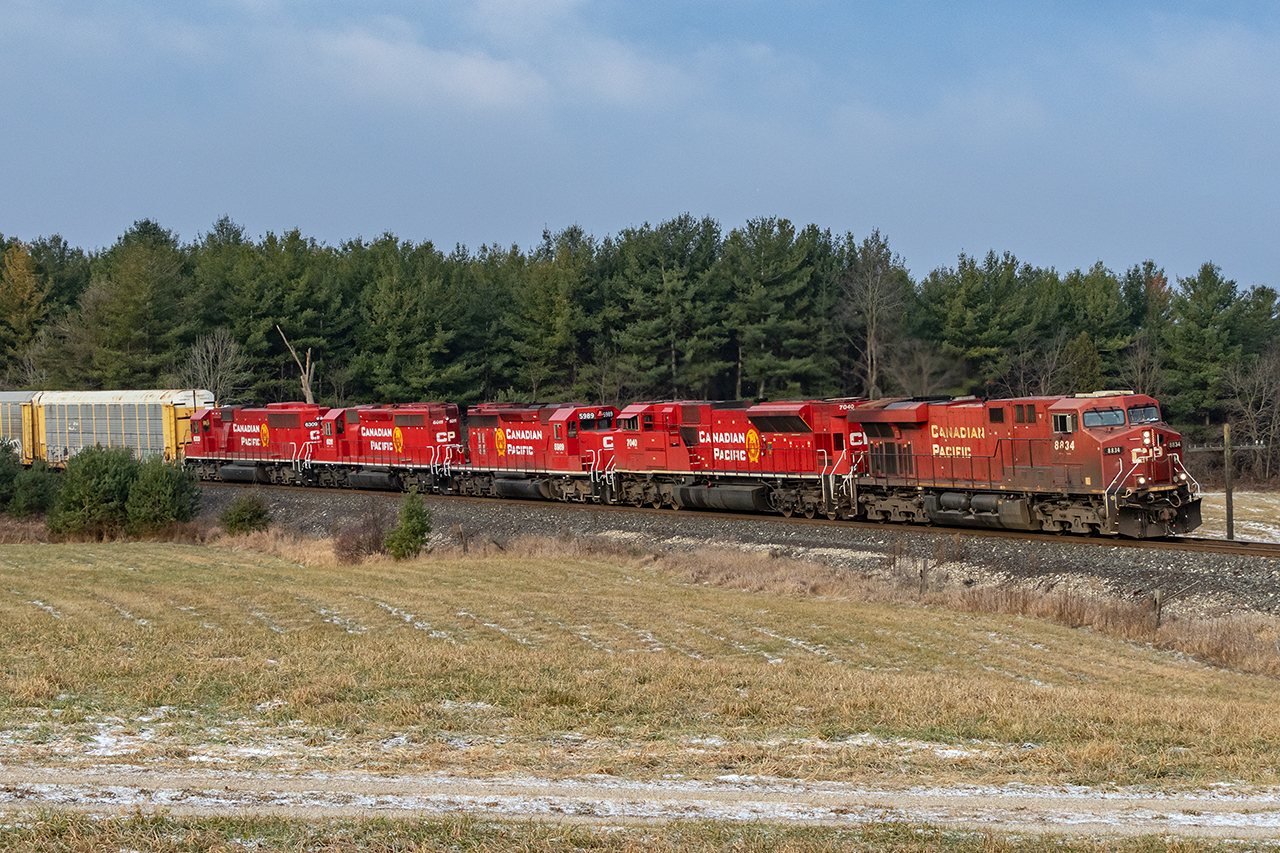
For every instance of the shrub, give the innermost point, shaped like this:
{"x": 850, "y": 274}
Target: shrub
{"x": 95, "y": 492}
{"x": 10, "y": 468}
{"x": 162, "y": 494}
{"x": 362, "y": 540}
{"x": 246, "y": 514}
{"x": 35, "y": 491}
{"x": 409, "y": 537}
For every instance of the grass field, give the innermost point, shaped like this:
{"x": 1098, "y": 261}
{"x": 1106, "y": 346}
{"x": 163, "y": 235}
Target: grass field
{"x": 563, "y": 662}
{"x": 155, "y": 654}
{"x": 162, "y": 834}
{"x": 1256, "y": 515}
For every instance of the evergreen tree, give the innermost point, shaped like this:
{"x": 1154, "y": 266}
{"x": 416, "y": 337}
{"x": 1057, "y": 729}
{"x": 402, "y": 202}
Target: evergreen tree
{"x": 670, "y": 333}
{"x": 22, "y": 302}
{"x": 411, "y": 312}
{"x": 977, "y": 312}
{"x": 127, "y": 330}
{"x": 768, "y": 268}
{"x": 1202, "y": 339}
{"x": 1082, "y": 366}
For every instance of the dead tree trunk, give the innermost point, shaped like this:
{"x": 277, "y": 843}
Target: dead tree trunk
{"x": 308, "y": 371}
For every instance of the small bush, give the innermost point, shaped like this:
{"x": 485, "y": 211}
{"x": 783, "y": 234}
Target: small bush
{"x": 95, "y": 492}
{"x": 246, "y": 514}
{"x": 161, "y": 495}
{"x": 35, "y": 491}
{"x": 10, "y": 468}
{"x": 362, "y": 540}
{"x": 410, "y": 536}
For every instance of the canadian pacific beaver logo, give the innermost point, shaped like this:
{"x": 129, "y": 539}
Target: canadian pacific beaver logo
{"x": 753, "y": 445}
{"x": 397, "y": 440}
{"x": 500, "y": 441}
{"x": 264, "y": 434}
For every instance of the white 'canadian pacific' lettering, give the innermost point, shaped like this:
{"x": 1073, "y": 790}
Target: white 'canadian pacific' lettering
{"x": 722, "y": 437}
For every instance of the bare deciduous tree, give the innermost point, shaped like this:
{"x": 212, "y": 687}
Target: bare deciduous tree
{"x": 308, "y": 370}
{"x": 921, "y": 370}
{"x": 1255, "y": 392}
{"x": 873, "y": 292}
{"x": 216, "y": 363}
{"x": 1143, "y": 371}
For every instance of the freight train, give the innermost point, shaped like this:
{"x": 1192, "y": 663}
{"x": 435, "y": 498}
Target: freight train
{"x": 53, "y": 426}
{"x": 1103, "y": 463}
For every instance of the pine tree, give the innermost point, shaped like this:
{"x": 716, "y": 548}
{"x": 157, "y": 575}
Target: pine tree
{"x": 22, "y": 302}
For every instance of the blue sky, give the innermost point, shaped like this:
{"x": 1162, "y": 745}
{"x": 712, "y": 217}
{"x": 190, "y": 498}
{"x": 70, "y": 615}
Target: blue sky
{"x": 1067, "y": 133}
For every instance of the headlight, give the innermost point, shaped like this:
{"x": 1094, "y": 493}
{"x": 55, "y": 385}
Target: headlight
{"x": 1182, "y": 477}
{"x": 1142, "y": 481}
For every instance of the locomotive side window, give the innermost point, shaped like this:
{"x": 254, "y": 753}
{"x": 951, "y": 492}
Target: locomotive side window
{"x": 1020, "y": 414}
{"x": 996, "y": 414}
{"x": 631, "y": 424}
{"x": 328, "y": 427}
{"x": 342, "y": 425}
{"x": 648, "y": 423}
{"x": 1066, "y": 423}
{"x": 556, "y": 430}
{"x": 1104, "y": 417}
{"x": 1144, "y": 415}
{"x": 573, "y": 429}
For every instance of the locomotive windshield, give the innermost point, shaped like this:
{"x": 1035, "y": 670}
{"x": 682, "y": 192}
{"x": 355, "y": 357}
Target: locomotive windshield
{"x": 1104, "y": 417}
{"x": 1144, "y": 415}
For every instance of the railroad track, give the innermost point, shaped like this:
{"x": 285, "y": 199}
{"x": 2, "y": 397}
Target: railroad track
{"x": 1266, "y": 550}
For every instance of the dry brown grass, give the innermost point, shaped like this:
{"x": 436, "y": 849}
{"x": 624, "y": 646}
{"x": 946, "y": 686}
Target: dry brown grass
{"x": 22, "y": 531}
{"x": 1249, "y": 642}
{"x": 166, "y": 834}
{"x": 580, "y": 657}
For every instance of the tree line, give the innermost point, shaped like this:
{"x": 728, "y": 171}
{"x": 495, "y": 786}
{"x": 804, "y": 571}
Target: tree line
{"x": 677, "y": 309}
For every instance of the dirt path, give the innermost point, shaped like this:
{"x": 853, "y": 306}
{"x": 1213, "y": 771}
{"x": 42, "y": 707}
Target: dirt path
{"x": 604, "y": 801}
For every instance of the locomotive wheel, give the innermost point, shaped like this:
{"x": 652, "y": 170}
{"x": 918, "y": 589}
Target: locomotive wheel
{"x": 833, "y": 514}
{"x": 656, "y": 504}
{"x": 786, "y": 511}
{"x": 810, "y": 512}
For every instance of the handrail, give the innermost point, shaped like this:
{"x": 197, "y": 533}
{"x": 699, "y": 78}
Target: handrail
{"x": 1195, "y": 485}
{"x": 1120, "y": 477}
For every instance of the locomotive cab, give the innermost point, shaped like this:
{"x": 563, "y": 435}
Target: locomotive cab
{"x": 1125, "y": 451}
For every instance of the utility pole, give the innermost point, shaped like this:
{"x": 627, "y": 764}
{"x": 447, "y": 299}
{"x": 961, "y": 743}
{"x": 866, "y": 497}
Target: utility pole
{"x": 1227, "y": 464}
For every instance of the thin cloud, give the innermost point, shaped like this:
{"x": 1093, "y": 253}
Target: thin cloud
{"x": 398, "y": 70}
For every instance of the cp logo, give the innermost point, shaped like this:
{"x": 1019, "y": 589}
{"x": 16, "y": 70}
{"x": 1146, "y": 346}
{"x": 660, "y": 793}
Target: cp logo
{"x": 397, "y": 440}
{"x": 264, "y": 434}
{"x": 753, "y": 446}
{"x": 500, "y": 441}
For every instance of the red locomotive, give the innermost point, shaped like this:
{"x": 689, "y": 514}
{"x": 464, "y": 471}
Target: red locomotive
{"x": 1086, "y": 463}
{"x": 517, "y": 451}
{"x": 781, "y": 457}
{"x": 1089, "y": 463}
{"x": 371, "y": 447}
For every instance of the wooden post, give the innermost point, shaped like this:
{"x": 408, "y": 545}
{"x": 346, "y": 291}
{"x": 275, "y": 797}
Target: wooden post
{"x": 1227, "y": 465}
